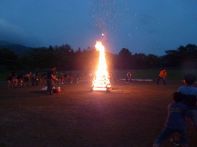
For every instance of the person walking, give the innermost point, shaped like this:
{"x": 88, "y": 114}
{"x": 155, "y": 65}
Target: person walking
{"x": 162, "y": 76}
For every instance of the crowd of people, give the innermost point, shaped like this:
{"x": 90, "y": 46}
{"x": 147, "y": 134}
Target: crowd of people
{"x": 182, "y": 108}
{"x": 15, "y": 80}
{"x": 27, "y": 79}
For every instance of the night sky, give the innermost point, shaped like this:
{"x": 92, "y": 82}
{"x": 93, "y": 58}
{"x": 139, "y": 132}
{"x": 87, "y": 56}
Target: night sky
{"x": 148, "y": 26}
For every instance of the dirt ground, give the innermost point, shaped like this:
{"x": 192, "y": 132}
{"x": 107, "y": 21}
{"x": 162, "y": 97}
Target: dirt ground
{"x": 131, "y": 115}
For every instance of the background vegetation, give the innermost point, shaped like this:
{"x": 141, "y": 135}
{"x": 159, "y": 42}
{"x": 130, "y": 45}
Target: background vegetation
{"x": 64, "y": 58}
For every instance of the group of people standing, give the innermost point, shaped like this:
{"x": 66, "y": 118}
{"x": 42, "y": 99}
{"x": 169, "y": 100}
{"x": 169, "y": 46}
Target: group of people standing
{"x": 17, "y": 80}
{"x": 182, "y": 108}
{"x": 52, "y": 79}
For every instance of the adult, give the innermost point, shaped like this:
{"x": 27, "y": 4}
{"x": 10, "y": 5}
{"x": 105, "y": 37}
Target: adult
{"x": 175, "y": 122}
{"x": 51, "y": 77}
{"x": 188, "y": 88}
{"x": 129, "y": 77}
{"x": 190, "y": 92}
{"x": 162, "y": 76}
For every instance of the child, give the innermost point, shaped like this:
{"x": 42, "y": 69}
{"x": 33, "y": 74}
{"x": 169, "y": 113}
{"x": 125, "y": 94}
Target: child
{"x": 175, "y": 122}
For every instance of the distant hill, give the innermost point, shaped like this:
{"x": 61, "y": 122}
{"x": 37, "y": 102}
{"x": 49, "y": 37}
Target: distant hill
{"x": 17, "y": 48}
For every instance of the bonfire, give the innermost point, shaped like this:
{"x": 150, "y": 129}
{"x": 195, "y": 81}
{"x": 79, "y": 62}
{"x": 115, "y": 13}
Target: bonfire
{"x": 101, "y": 81}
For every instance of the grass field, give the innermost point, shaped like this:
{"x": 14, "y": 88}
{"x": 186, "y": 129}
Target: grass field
{"x": 131, "y": 115}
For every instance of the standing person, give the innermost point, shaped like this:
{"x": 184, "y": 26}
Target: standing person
{"x": 190, "y": 93}
{"x": 129, "y": 77}
{"x": 175, "y": 122}
{"x": 50, "y": 79}
{"x": 162, "y": 76}
{"x": 9, "y": 80}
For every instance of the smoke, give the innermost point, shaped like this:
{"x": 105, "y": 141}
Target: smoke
{"x": 107, "y": 14}
{"x": 108, "y": 17}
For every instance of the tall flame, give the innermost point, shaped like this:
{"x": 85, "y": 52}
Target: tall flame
{"x": 101, "y": 81}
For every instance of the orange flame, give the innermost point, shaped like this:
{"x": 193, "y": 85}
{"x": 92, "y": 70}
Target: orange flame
{"x": 101, "y": 81}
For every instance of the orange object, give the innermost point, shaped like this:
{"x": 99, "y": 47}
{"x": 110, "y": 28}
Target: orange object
{"x": 163, "y": 73}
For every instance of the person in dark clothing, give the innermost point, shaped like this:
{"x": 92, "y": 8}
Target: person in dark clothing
{"x": 175, "y": 122}
{"x": 50, "y": 79}
{"x": 190, "y": 96}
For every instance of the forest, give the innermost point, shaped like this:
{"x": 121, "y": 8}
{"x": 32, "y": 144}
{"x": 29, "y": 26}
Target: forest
{"x": 64, "y": 58}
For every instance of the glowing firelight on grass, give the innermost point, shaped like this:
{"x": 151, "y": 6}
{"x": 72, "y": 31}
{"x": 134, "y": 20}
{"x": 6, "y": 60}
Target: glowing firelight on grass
{"x": 101, "y": 81}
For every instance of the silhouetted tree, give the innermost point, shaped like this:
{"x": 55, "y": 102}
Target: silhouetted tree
{"x": 65, "y": 58}
{"x": 124, "y": 59}
{"x": 8, "y": 59}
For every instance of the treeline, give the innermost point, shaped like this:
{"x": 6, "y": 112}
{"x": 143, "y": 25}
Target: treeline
{"x": 65, "y": 58}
